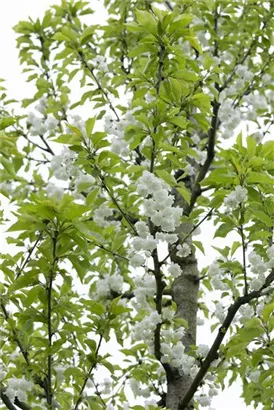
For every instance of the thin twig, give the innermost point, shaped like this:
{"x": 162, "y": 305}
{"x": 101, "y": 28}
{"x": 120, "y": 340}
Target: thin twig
{"x": 89, "y": 373}
{"x": 16, "y": 338}
{"x": 118, "y": 206}
{"x": 46, "y": 144}
{"x": 169, "y": 6}
{"x": 111, "y": 252}
{"x": 28, "y": 258}
{"x": 241, "y": 230}
{"x": 105, "y": 93}
{"x": 190, "y": 233}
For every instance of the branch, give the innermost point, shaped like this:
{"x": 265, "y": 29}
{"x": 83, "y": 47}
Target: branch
{"x": 30, "y": 251}
{"x": 46, "y": 144}
{"x": 9, "y": 403}
{"x": 212, "y": 354}
{"x": 89, "y": 373}
{"x": 21, "y": 404}
{"x": 190, "y": 233}
{"x": 111, "y": 252}
{"x": 196, "y": 191}
{"x": 49, "y": 393}
{"x": 33, "y": 143}
{"x": 16, "y": 338}
{"x": 118, "y": 206}
{"x": 244, "y": 258}
{"x": 249, "y": 50}
{"x": 98, "y": 84}
{"x": 169, "y": 6}
{"x": 6, "y": 400}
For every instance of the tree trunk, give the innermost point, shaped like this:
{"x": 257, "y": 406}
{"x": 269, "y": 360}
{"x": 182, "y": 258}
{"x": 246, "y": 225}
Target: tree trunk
{"x": 185, "y": 293}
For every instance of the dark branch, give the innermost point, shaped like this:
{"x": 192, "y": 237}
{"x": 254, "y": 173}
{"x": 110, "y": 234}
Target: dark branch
{"x": 212, "y": 354}
{"x": 6, "y": 400}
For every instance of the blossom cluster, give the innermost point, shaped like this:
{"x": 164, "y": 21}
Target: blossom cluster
{"x": 63, "y": 169}
{"x": 236, "y": 197}
{"x": 18, "y": 388}
{"x": 101, "y": 215}
{"x": 107, "y": 284}
{"x": 217, "y": 275}
{"x": 144, "y": 330}
{"x": 258, "y": 267}
{"x": 230, "y": 117}
{"x": 117, "y": 130}
{"x": 158, "y": 206}
{"x": 41, "y": 125}
{"x": 175, "y": 355}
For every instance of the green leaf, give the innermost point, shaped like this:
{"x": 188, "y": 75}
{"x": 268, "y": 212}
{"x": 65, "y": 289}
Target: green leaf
{"x": 7, "y": 122}
{"x": 263, "y": 217}
{"x": 8, "y": 165}
{"x": 90, "y": 125}
{"x": 147, "y": 21}
{"x": 251, "y": 146}
{"x": 76, "y": 263}
{"x": 199, "y": 246}
{"x": 223, "y": 230}
{"x": 32, "y": 296}
{"x": 167, "y": 177}
{"x": 179, "y": 121}
{"x": 259, "y": 178}
{"x": 267, "y": 311}
{"x": 234, "y": 247}
{"x": 184, "y": 192}
{"x": 87, "y": 34}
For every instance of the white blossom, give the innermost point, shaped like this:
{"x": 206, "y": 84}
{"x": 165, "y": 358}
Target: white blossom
{"x": 239, "y": 195}
{"x": 82, "y": 181}
{"x": 106, "y": 386}
{"x": 17, "y": 388}
{"x": 257, "y": 282}
{"x": 42, "y": 105}
{"x": 175, "y": 270}
{"x": 100, "y": 62}
{"x": 168, "y": 313}
{"x": 246, "y": 312}
{"x": 55, "y": 191}
{"x": 167, "y": 237}
{"x": 190, "y": 170}
{"x": 219, "y": 312}
{"x": 244, "y": 72}
{"x": 203, "y": 400}
{"x": 142, "y": 229}
{"x": 183, "y": 250}
{"x": 51, "y": 123}
{"x": 254, "y": 376}
{"x": 137, "y": 260}
{"x": 202, "y": 350}
{"x": 270, "y": 254}
{"x": 100, "y": 215}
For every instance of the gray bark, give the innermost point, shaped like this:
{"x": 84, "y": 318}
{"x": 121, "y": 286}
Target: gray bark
{"x": 185, "y": 293}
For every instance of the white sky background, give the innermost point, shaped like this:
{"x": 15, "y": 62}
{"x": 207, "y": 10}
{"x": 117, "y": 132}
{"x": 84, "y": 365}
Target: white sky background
{"x": 11, "y": 12}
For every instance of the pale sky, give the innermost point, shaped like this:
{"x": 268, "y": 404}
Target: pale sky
{"x": 11, "y": 12}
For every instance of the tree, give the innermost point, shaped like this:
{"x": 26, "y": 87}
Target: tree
{"x": 105, "y": 206}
